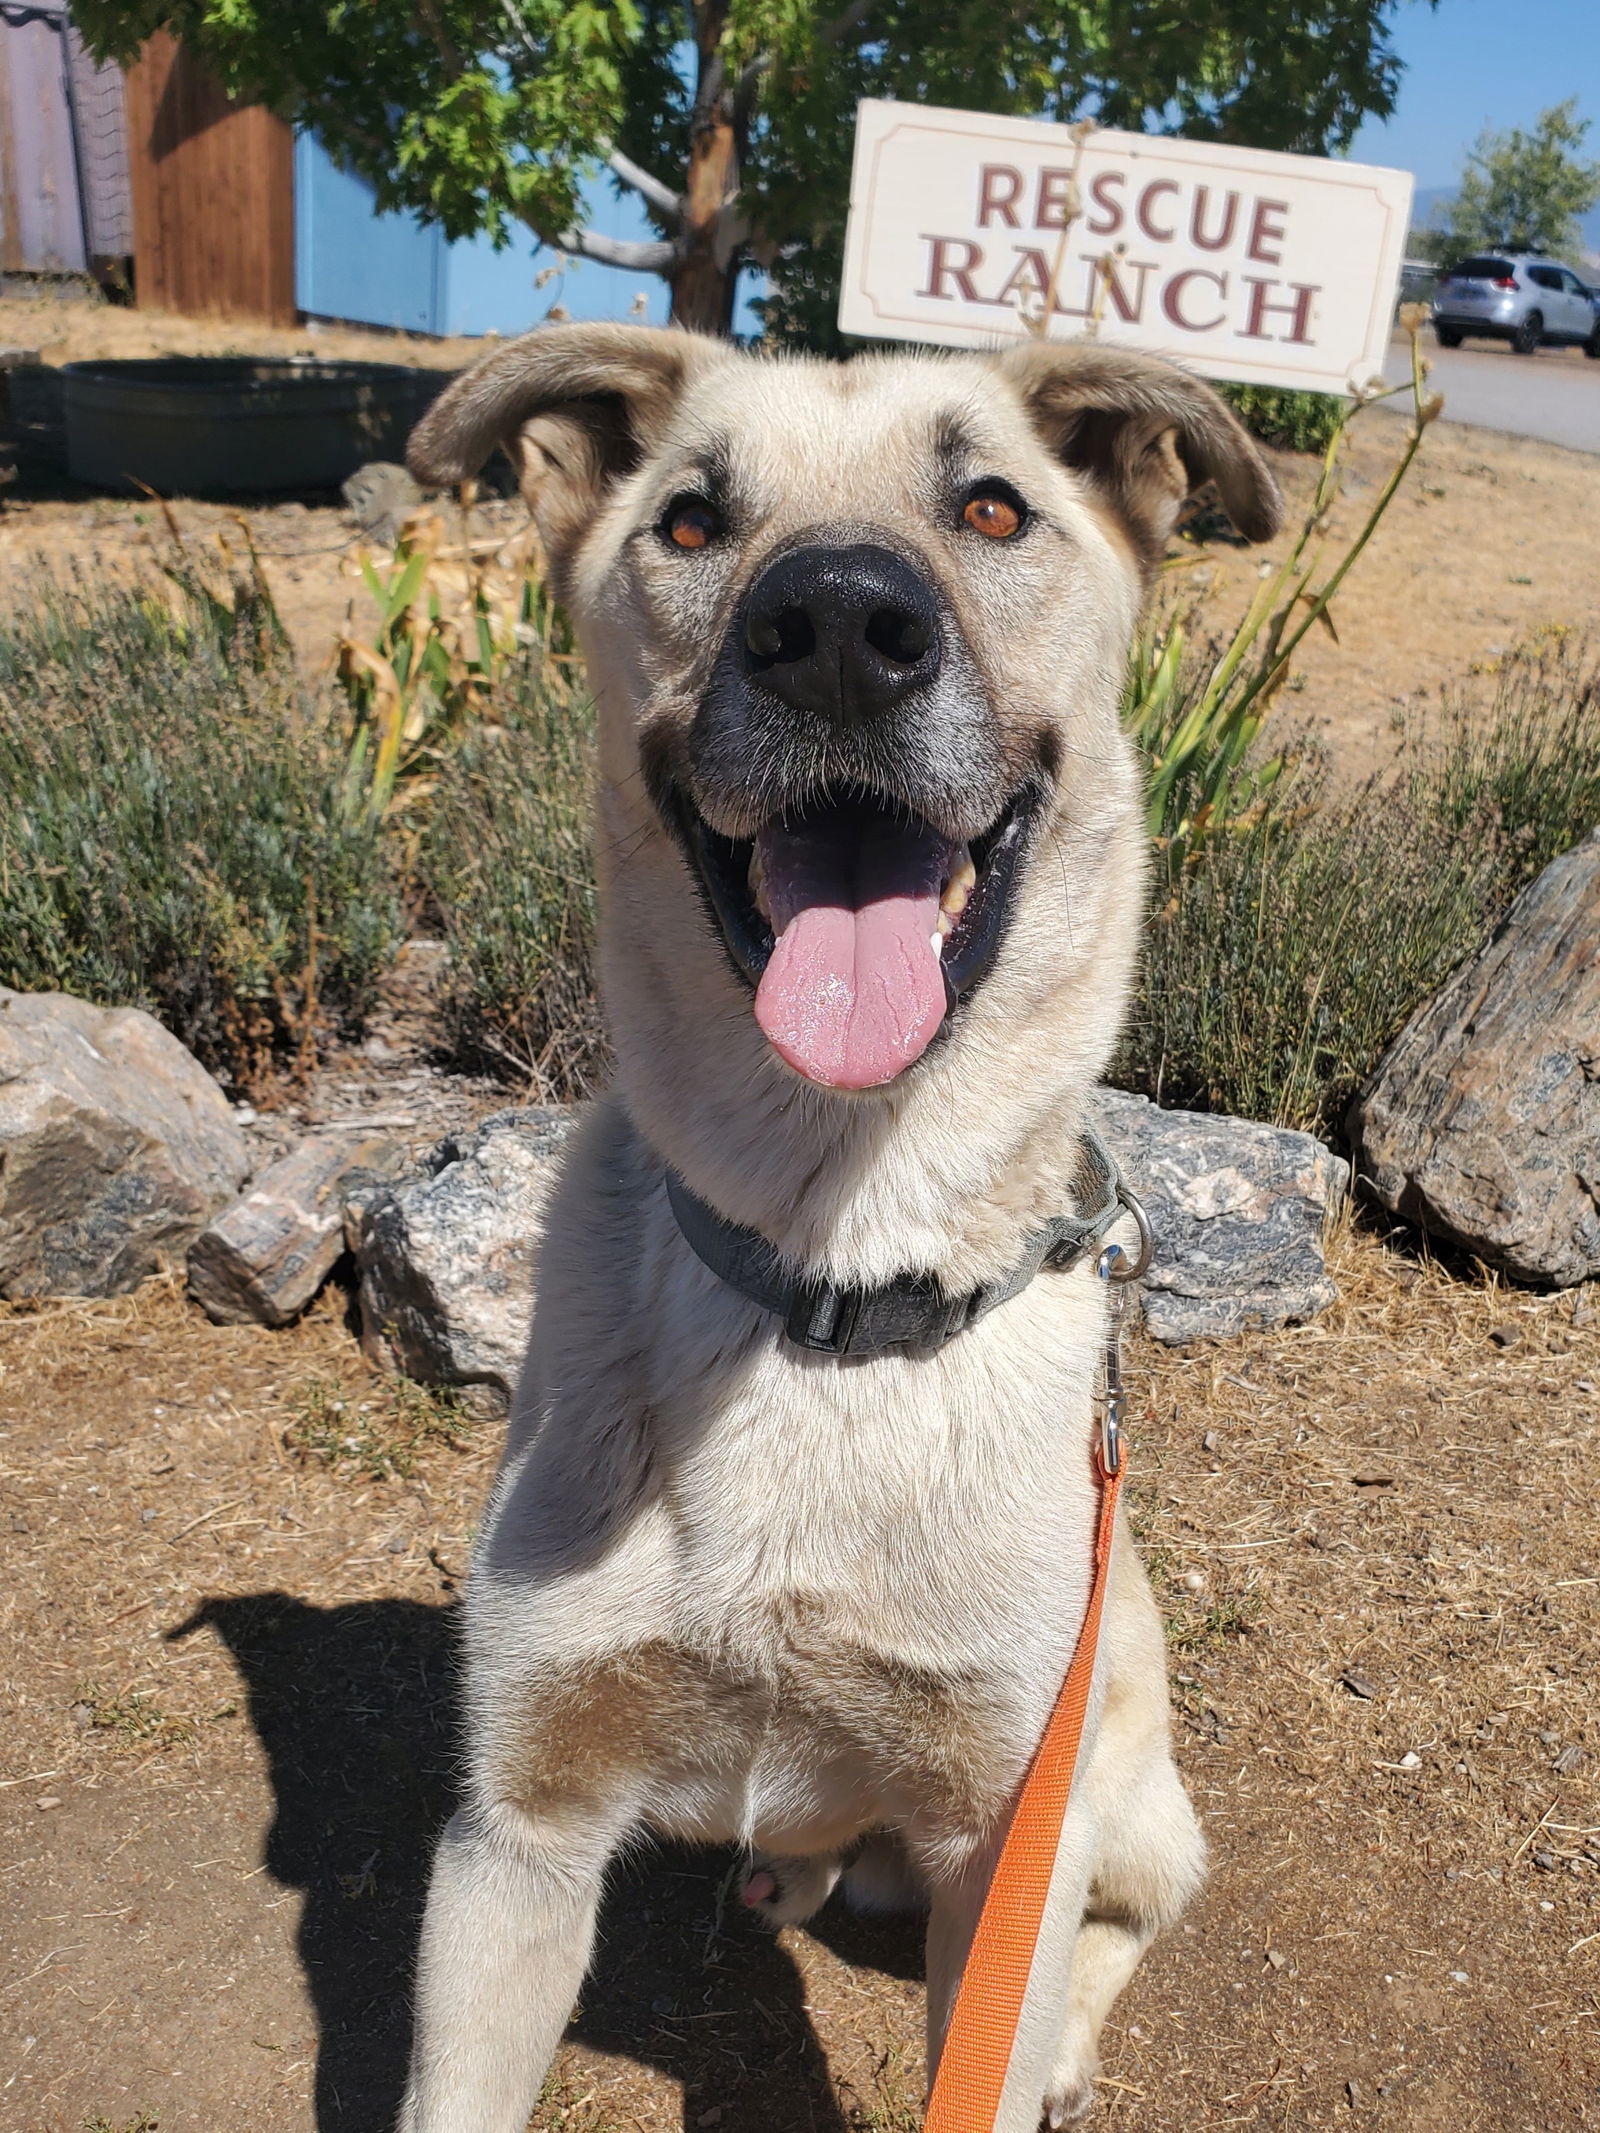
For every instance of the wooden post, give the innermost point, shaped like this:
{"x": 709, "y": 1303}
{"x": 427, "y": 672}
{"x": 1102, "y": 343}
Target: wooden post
{"x": 213, "y": 193}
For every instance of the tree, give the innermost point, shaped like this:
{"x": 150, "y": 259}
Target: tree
{"x": 1519, "y": 192}
{"x": 731, "y": 119}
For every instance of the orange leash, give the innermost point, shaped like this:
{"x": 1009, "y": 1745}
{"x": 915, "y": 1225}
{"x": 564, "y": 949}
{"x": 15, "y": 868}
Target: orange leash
{"x": 983, "y": 2023}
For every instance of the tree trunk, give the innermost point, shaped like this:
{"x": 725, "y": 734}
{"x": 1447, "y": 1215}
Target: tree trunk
{"x": 704, "y": 281}
{"x": 703, "y": 284}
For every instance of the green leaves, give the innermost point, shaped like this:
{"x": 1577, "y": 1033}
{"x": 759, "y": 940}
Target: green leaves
{"x": 1521, "y": 191}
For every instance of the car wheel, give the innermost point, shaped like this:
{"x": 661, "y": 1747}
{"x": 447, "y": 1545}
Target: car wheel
{"x": 1529, "y": 334}
{"x": 1448, "y": 336}
{"x": 1591, "y": 346}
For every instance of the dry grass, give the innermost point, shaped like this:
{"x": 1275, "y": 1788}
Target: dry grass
{"x": 1375, "y": 1538}
{"x": 377, "y": 1432}
{"x": 78, "y": 332}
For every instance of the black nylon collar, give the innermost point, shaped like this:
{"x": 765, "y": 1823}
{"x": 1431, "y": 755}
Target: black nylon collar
{"x": 912, "y": 1310}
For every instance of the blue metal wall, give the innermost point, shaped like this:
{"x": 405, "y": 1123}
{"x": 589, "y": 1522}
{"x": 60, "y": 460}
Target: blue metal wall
{"x": 392, "y": 270}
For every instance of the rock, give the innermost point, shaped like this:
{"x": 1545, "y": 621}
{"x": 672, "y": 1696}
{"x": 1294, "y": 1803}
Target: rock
{"x": 1482, "y": 1122}
{"x": 381, "y": 496}
{"x": 116, "y": 1147}
{"x": 263, "y": 1260}
{"x": 1358, "y": 1684}
{"x": 1238, "y": 1210}
{"x": 446, "y": 1260}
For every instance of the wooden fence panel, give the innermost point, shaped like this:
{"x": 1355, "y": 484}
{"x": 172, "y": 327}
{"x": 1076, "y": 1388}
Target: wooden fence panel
{"x": 213, "y": 193}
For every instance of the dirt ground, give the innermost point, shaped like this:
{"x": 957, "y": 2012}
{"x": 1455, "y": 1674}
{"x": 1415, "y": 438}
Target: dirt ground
{"x": 233, "y": 1555}
{"x": 1491, "y": 539}
{"x": 228, "y": 1668}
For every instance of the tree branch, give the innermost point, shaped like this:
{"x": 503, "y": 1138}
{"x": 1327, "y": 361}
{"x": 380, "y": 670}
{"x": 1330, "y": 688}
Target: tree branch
{"x": 626, "y": 252}
{"x": 661, "y": 197}
{"x": 747, "y": 88}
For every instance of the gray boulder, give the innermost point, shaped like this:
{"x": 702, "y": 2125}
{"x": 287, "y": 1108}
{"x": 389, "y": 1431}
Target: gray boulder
{"x": 1238, "y": 1210}
{"x": 116, "y": 1147}
{"x": 264, "y": 1258}
{"x": 1482, "y": 1122}
{"x": 381, "y": 497}
{"x": 446, "y": 1260}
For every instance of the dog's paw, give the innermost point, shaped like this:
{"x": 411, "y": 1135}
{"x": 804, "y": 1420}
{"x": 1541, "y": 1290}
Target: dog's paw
{"x": 1071, "y": 2097}
{"x": 782, "y": 1892}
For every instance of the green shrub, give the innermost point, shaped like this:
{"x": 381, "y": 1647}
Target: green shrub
{"x": 173, "y": 831}
{"x": 1277, "y": 414}
{"x": 1285, "y": 956}
{"x": 507, "y": 858}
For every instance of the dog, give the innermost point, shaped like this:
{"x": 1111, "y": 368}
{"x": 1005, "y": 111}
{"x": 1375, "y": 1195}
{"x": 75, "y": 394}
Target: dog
{"x": 871, "y": 863}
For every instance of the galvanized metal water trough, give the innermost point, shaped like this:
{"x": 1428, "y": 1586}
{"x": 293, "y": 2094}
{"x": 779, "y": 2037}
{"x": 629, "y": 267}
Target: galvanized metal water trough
{"x": 235, "y": 425}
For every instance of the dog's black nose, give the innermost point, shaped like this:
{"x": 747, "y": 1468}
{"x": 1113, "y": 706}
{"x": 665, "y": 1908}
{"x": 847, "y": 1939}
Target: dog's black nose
{"x": 841, "y": 632}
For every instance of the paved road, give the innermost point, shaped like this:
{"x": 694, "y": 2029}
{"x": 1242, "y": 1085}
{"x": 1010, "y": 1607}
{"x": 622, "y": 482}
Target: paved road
{"x": 1554, "y": 395}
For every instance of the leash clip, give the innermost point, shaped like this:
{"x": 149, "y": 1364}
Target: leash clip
{"x": 1115, "y": 1269}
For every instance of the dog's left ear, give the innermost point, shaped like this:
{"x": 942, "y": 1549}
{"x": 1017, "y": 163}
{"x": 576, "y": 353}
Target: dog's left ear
{"x": 1147, "y": 434}
{"x": 575, "y": 409}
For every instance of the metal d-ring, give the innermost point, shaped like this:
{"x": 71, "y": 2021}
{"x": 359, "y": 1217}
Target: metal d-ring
{"x": 1122, "y": 1267}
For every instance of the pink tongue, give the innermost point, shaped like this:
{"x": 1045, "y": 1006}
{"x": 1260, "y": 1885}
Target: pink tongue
{"x": 853, "y": 991}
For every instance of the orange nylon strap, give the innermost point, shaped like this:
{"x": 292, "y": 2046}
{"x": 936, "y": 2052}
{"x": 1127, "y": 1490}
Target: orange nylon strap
{"x": 983, "y": 2023}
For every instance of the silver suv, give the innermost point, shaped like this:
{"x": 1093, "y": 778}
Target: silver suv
{"x": 1517, "y": 297}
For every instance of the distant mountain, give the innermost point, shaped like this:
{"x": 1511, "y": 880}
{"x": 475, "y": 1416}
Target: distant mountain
{"x": 1428, "y": 196}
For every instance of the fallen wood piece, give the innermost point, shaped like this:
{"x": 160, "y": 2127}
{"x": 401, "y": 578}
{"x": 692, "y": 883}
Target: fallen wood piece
{"x": 263, "y": 1260}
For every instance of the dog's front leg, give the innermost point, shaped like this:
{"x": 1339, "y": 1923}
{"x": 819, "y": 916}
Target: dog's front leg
{"x": 505, "y": 1943}
{"x": 958, "y": 1876}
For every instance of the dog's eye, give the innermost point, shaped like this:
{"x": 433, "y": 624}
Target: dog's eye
{"x": 995, "y": 513}
{"x": 690, "y": 522}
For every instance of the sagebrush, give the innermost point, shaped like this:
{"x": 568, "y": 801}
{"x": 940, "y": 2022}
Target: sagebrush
{"x": 173, "y": 827}
{"x": 508, "y": 861}
{"x": 1285, "y": 956}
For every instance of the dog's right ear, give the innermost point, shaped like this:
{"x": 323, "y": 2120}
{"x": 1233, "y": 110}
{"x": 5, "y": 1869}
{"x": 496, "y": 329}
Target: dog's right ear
{"x": 574, "y": 407}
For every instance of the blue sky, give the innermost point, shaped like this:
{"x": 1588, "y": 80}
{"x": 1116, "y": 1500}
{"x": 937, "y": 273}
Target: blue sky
{"x": 1477, "y": 63}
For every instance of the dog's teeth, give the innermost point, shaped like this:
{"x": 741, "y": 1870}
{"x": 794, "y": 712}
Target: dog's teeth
{"x": 758, "y": 883}
{"x": 963, "y": 880}
{"x": 936, "y": 939}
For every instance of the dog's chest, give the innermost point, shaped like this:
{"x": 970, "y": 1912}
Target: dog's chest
{"x": 909, "y": 1733}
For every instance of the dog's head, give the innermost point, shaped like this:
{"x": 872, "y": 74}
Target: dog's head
{"x": 858, "y": 635}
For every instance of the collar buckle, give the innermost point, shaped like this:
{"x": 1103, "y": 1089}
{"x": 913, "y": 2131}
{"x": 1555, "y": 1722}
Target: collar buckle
{"x": 823, "y": 1319}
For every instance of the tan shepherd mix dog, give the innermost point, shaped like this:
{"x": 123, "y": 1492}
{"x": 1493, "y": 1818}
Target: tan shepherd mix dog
{"x": 871, "y": 869}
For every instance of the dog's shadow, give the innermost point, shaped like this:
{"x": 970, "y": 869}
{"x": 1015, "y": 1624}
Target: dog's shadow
{"x": 355, "y": 1708}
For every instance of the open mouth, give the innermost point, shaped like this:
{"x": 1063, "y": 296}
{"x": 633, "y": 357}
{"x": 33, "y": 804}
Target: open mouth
{"x": 858, "y": 925}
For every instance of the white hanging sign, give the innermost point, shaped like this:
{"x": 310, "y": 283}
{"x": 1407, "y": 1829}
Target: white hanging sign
{"x": 1237, "y": 262}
